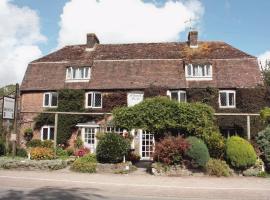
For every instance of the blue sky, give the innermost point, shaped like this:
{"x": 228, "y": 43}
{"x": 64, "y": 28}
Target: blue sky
{"x": 33, "y": 28}
{"x": 242, "y": 23}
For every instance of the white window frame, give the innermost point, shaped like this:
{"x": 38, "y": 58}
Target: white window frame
{"x": 49, "y": 132}
{"x": 92, "y": 100}
{"x": 169, "y": 93}
{"x": 227, "y": 98}
{"x": 50, "y": 100}
{"x": 70, "y": 78}
{"x": 192, "y": 77}
{"x": 132, "y": 93}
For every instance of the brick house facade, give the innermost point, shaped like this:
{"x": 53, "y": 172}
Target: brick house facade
{"x": 127, "y": 70}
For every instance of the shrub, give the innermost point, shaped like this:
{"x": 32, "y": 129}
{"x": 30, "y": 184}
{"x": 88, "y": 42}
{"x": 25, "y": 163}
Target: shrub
{"x": 170, "y": 150}
{"x": 255, "y": 170}
{"x": 70, "y": 151}
{"x": 112, "y": 148}
{"x": 28, "y": 134}
{"x": 21, "y": 153}
{"x": 47, "y": 143}
{"x": 34, "y": 143}
{"x": 197, "y": 152}
{"x": 78, "y": 143}
{"x": 240, "y": 153}
{"x": 133, "y": 157}
{"x": 263, "y": 141}
{"x": 216, "y": 167}
{"x": 81, "y": 152}
{"x": 61, "y": 152}
{"x": 41, "y": 153}
{"x": 215, "y": 143}
{"x": 2, "y": 147}
{"x": 85, "y": 164}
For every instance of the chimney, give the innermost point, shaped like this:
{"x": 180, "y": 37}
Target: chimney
{"x": 92, "y": 40}
{"x": 193, "y": 39}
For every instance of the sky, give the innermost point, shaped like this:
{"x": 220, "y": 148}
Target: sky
{"x": 30, "y": 29}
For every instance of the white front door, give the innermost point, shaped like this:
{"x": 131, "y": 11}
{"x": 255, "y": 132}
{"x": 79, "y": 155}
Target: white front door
{"x": 147, "y": 145}
{"x": 89, "y": 138}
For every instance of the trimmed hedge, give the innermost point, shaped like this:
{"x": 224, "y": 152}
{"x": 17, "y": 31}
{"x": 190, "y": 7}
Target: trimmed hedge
{"x": 240, "y": 153}
{"x": 197, "y": 152}
{"x": 112, "y": 148}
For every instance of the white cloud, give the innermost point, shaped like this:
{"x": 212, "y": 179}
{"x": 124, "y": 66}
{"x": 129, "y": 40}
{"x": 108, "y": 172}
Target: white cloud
{"x": 126, "y": 20}
{"x": 263, "y": 57}
{"x": 19, "y": 35}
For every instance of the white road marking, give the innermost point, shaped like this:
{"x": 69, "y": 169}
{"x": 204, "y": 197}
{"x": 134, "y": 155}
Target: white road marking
{"x": 135, "y": 185}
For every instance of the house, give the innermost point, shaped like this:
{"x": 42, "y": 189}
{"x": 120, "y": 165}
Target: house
{"x": 127, "y": 70}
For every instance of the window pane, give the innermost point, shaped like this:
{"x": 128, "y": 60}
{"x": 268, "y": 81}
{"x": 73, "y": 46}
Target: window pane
{"x": 46, "y": 99}
{"x": 189, "y": 68}
{"x": 81, "y": 73}
{"x": 182, "y": 96}
{"x": 97, "y": 100}
{"x": 208, "y": 70}
{"x": 74, "y": 73}
{"x": 174, "y": 96}
{"x": 45, "y": 133}
{"x": 51, "y": 133}
{"x": 86, "y": 70}
{"x": 195, "y": 70}
{"x": 69, "y": 73}
{"x": 231, "y": 99}
{"x": 200, "y": 70}
{"x": 54, "y": 99}
{"x": 223, "y": 99}
{"x": 89, "y": 100}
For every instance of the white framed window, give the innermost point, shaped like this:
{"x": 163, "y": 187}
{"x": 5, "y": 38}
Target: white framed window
{"x": 77, "y": 74}
{"x": 227, "y": 99}
{"x": 178, "y": 95}
{"x": 111, "y": 129}
{"x": 134, "y": 98}
{"x": 47, "y": 133}
{"x": 198, "y": 71}
{"x": 93, "y": 100}
{"x": 50, "y": 99}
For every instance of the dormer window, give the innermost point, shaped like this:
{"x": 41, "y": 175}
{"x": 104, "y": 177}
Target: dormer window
{"x": 78, "y": 74}
{"x": 198, "y": 72}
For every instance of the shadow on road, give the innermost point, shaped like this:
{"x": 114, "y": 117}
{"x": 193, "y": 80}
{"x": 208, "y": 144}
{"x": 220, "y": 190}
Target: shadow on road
{"x": 51, "y": 193}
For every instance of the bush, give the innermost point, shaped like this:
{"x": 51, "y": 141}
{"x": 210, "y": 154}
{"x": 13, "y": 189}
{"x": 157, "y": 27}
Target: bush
{"x": 61, "y": 152}
{"x": 216, "y": 167}
{"x": 170, "y": 150}
{"x": 70, "y": 151}
{"x": 21, "y": 153}
{"x": 197, "y": 152}
{"x": 78, "y": 143}
{"x": 133, "y": 157}
{"x": 85, "y": 164}
{"x": 2, "y": 148}
{"x": 240, "y": 153}
{"x": 263, "y": 141}
{"x": 81, "y": 152}
{"x": 255, "y": 170}
{"x": 34, "y": 143}
{"x": 47, "y": 144}
{"x": 41, "y": 153}
{"x": 112, "y": 148}
{"x": 215, "y": 143}
{"x": 28, "y": 134}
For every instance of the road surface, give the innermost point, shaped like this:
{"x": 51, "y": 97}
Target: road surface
{"x": 66, "y": 185}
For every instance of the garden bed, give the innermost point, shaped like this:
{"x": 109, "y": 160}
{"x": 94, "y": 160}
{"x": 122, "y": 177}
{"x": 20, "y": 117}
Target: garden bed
{"x": 119, "y": 168}
{"x": 26, "y": 164}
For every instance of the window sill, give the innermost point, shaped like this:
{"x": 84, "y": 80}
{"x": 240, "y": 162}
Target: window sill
{"x": 50, "y": 106}
{"x": 77, "y": 80}
{"x": 228, "y": 107}
{"x": 199, "y": 78}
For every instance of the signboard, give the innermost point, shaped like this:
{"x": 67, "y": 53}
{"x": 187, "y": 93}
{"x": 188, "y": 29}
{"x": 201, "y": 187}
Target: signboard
{"x": 134, "y": 98}
{"x": 8, "y": 108}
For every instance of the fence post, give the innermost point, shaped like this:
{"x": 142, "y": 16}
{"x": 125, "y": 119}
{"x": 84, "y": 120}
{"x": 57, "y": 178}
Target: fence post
{"x": 55, "y": 131}
{"x": 248, "y": 127}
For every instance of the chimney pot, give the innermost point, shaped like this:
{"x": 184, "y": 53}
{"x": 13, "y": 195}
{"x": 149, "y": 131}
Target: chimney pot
{"x": 92, "y": 40}
{"x": 193, "y": 39}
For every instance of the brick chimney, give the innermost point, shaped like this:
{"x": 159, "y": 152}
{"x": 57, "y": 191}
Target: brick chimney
{"x": 92, "y": 40}
{"x": 193, "y": 39}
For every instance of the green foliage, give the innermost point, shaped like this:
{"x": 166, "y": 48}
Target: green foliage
{"x": 47, "y": 143}
{"x": 78, "y": 143}
{"x": 6, "y": 90}
{"x": 61, "y": 152}
{"x": 112, "y": 148}
{"x": 265, "y": 115}
{"x": 160, "y": 113}
{"x": 263, "y": 141}
{"x": 255, "y": 170}
{"x": 171, "y": 150}
{"x": 216, "y": 167}
{"x": 41, "y": 153}
{"x": 215, "y": 143}
{"x": 21, "y": 152}
{"x": 34, "y": 143}
{"x": 2, "y": 147}
{"x": 28, "y": 134}
{"x": 197, "y": 152}
{"x": 68, "y": 101}
{"x": 85, "y": 164}
{"x": 240, "y": 153}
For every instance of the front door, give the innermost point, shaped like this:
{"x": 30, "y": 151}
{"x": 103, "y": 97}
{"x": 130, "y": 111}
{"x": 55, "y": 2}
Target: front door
{"x": 147, "y": 145}
{"x": 89, "y": 138}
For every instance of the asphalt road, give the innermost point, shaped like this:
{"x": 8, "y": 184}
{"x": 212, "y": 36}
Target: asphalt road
{"x": 35, "y": 185}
